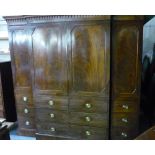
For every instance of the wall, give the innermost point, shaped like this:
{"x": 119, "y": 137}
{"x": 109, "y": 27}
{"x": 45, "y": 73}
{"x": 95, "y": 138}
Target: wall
{"x": 4, "y": 44}
{"x": 148, "y": 38}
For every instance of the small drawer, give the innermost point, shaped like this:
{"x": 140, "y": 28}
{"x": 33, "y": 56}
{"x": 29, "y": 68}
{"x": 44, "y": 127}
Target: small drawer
{"x": 124, "y": 119}
{"x": 51, "y": 102}
{"x": 124, "y": 106}
{"x": 91, "y": 105}
{"x": 25, "y": 111}
{"x": 53, "y": 128}
{"x": 24, "y": 99}
{"x": 89, "y": 119}
{"x": 26, "y": 122}
{"x": 50, "y": 116}
{"x": 86, "y": 132}
{"x": 123, "y": 133}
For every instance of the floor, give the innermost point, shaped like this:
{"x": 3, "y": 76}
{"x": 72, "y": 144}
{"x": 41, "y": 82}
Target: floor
{"x": 14, "y": 136}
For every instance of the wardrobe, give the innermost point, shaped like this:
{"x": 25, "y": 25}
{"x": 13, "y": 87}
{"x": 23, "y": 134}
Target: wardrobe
{"x": 76, "y": 77}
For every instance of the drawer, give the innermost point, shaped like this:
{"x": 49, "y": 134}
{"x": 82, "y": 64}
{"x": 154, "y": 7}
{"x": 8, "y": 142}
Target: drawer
{"x": 25, "y": 111}
{"x": 89, "y": 119}
{"x": 24, "y": 99}
{"x": 51, "y": 102}
{"x": 26, "y": 122}
{"x": 91, "y": 105}
{"x": 124, "y": 133}
{"x": 86, "y": 132}
{"x": 53, "y": 128}
{"x": 50, "y": 116}
{"x": 124, "y": 119}
{"x": 125, "y": 106}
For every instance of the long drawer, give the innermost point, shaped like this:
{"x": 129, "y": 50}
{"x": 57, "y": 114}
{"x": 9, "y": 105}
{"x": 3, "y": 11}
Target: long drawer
{"x": 91, "y": 105}
{"x": 89, "y": 119}
{"x": 72, "y": 131}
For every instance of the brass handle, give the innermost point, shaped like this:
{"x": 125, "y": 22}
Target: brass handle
{"x": 27, "y": 123}
{"x": 88, "y": 105}
{"x": 52, "y": 115}
{"x": 26, "y": 111}
{"x": 124, "y": 106}
{"x": 25, "y": 99}
{"x": 124, "y": 134}
{"x": 88, "y": 133}
{"x": 88, "y": 119}
{"x": 52, "y": 129}
{"x": 125, "y": 120}
{"x": 50, "y": 102}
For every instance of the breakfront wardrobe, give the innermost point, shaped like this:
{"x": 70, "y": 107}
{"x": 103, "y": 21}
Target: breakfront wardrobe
{"x": 76, "y": 77}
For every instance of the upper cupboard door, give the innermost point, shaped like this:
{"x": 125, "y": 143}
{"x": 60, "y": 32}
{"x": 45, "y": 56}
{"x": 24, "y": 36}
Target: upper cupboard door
{"x": 126, "y": 59}
{"x": 50, "y": 67}
{"x": 90, "y": 59}
{"x": 21, "y": 57}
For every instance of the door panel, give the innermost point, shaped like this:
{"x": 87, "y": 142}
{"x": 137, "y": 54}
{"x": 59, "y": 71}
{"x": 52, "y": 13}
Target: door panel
{"x": 50, "y": 59}
{"x": 126, "y": 59}
{"x": 21, "y": 57}
{"x": 90, "y": 59}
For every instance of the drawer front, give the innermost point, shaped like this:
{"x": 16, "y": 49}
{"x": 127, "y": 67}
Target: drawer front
{"x": 26, "y": 122}
{"x": 124, "y": 119}
{"x": 89, "y": 119}
{"x": 124, "y": 106}
{"x": 89, "y": 105}
{"x": 24, "y": 98}
{"x": 86, "y": 132}
{"x": 123, "y": 133}
{"x": 25, "y": 111}
{"x": 51, "y": 102}
{"x": 50, "y": 116}
{"x": 52, "y": 128}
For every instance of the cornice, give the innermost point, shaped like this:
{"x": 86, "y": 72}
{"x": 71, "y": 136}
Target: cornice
{"x": 26, "y": 19}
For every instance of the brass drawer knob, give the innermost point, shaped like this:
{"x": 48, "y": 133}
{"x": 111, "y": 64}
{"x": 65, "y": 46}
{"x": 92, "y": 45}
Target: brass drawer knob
{"x": 26, "y": 111}
{"x": 124, "y": 106}
{"x": 88, "y": 133}
{"x": 88, "y": 119}
{"x": 25, "y": 99}
{"x": 124, "y": 134}
{"x": 125, "y": 120}
{"x": 50, "y": 102}
{"x": 53, "y": 129}
{"x": 27, "y": 123}
{"x": 88, "y": 105}
{"x": 52, "y": 115}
